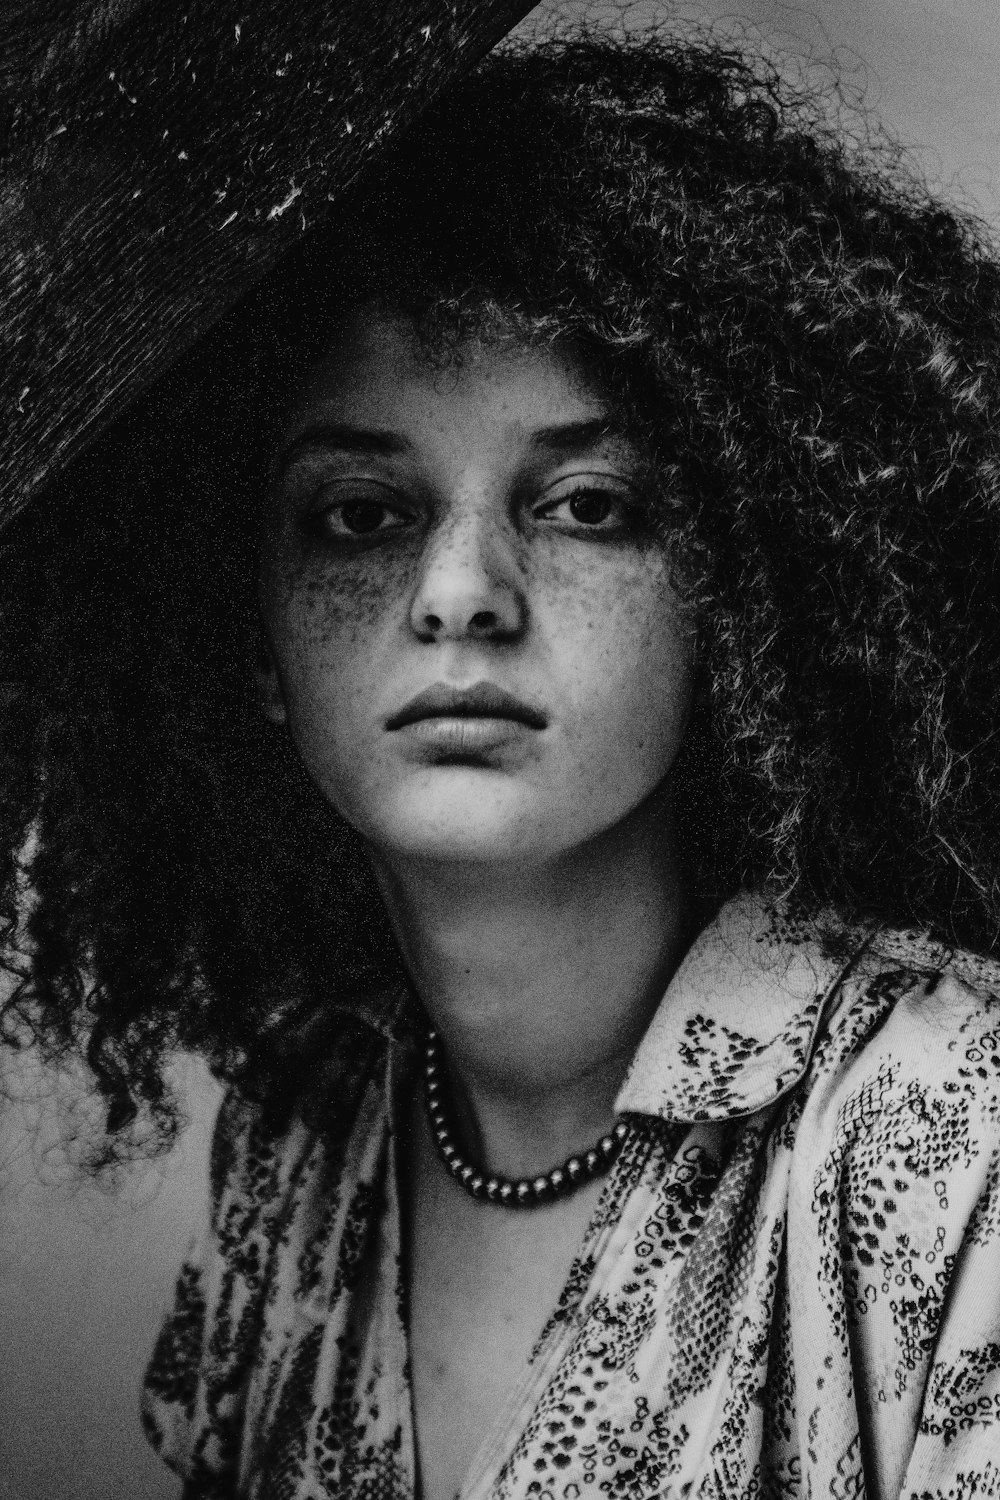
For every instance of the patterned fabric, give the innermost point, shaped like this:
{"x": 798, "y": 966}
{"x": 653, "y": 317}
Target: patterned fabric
{"x": 791, "y": 1285}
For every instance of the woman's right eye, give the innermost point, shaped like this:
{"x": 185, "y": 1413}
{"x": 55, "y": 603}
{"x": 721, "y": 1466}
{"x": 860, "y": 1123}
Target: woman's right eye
{"x": 355, "y": 517}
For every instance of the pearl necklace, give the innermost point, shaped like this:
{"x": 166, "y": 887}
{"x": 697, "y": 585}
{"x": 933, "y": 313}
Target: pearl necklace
{"x": 509, "y": 1192}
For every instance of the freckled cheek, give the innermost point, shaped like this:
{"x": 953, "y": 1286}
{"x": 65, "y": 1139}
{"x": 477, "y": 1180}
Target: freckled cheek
{"x": 329, "y": 627}
{"x": 335, "y": 635}
{"x": 628, "y": 662}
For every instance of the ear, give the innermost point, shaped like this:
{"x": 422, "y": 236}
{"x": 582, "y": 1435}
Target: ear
{"x": 270, "y": 697}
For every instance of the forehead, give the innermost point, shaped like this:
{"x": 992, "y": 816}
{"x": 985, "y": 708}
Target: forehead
{"x": 376, "y": 373}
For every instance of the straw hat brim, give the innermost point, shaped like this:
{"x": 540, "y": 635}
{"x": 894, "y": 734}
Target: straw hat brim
{"x": 156, "y": 159}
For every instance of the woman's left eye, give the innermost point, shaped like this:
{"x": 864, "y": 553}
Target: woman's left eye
{"x": 592, "y": 508}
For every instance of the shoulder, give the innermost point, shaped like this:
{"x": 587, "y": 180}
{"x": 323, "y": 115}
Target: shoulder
{"x": 894, "y": 1203}
{"x": 261, "y": 1143}
{"x": 926, "y": 1013}
{"x": 255, "y": 1165}
{"x": 275, "y": 1194}
{"x": 902, "y": 1105}
{"x": 264, "y": 1160}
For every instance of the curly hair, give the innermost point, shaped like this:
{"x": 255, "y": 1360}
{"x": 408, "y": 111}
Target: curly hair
{"x": 807, "y": 341}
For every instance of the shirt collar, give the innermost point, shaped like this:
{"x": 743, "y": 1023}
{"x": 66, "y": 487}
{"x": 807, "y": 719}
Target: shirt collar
{"x": 736, "y": 1027}
{"x": 392, "y": 1011}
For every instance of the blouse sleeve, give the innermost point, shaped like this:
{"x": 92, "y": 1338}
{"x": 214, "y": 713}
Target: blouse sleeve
{"x": 196, "y": 1383}
{"x": 957, "y": 1448}
{"x": 904, "y": 1199}
{"x": 948, "y": 1288}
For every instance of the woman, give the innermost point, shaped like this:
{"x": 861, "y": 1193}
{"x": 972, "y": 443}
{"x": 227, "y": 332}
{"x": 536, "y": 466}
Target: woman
{"x": 530, "y": 721}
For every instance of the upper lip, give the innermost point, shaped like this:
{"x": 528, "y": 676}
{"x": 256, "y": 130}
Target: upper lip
{"x": 484, "y": 700}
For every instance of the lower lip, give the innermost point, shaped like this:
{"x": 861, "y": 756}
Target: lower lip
{"x": 466, "y": 736}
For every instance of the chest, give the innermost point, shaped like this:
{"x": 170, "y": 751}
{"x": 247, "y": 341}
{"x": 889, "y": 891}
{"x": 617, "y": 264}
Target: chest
{"x": 483, "y": 1283}
{"x": 425, "y": 1323}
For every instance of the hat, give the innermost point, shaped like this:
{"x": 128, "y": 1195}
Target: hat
{"x": 156, "y": 159}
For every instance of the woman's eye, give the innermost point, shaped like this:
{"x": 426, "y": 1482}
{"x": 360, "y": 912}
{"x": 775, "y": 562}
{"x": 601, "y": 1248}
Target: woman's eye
{"x": 592, "y": 509}
{"x": 360, "y": 517}
{"x": 357, "y": 519}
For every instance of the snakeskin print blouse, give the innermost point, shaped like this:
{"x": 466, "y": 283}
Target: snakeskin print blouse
{"x": 790, "y": 1287}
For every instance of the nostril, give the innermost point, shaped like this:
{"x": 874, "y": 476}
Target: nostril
{"x": 483, "y": 622}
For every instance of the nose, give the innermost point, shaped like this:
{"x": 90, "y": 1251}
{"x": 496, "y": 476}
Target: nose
{"x": 469, "y": 586}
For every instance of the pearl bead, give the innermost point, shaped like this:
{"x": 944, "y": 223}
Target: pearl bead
{"x": 523, "y": 1192}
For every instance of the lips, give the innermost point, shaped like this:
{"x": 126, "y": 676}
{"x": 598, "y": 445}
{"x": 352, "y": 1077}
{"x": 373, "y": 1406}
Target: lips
{"x": 483, "y": 700}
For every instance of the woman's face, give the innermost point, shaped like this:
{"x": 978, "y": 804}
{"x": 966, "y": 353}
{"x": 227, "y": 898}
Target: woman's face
{"x": 473, "y": 638}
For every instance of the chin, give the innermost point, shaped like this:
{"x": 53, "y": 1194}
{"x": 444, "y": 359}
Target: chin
{"x": 456, "y": 840}
{"x": 464, "y": 820}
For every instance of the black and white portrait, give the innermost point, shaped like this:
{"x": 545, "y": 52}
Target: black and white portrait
{"x": 500, "y": 750}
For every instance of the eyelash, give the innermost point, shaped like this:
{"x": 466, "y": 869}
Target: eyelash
{"x": 318, "y": 521}
{"x": 628, "y": 509}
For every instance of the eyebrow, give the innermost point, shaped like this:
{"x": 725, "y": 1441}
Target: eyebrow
{"x": 346, "y": 439}
{"x": 560, "y": 437}
{"x": 572, "y": 435}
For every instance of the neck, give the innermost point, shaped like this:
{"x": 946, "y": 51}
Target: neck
{"x": 540, "y": 980}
